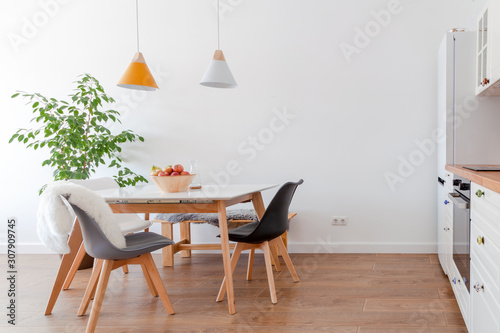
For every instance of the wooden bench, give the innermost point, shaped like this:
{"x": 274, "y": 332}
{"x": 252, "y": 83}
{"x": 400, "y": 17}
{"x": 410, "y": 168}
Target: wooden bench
{"x": 184, "y": 245}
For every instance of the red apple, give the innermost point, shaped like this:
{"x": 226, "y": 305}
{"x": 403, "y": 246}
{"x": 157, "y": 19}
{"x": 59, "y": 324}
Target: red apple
{"x": 168, "y": 169}
{"x": 163, "y": 174}
{"x": 174, "y": 174}
{"x": 178, "y": 168}
{"x": 184, "y": 173}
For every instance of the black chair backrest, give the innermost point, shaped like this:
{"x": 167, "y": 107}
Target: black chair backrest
{"x": 96, "y": 243}
{"x": 274, "y": 222}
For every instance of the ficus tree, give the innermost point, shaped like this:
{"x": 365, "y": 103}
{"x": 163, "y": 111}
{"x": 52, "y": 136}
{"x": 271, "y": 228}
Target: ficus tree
{"x": 76, "y": 133}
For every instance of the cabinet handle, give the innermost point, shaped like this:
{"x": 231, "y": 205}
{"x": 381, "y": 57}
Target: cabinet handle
{"x": 446, "y": 202}
{"x": 455, "y": 280}
{"x": 480, "y": 193}
{"x": 485, "y": 82}
{"x": 446, "y": 229}
{"x": 479, "y": 287}
{"x": 480, "y": 240}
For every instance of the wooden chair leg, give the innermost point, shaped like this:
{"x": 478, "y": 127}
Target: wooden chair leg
{"x": 234, "y": 261}
{"x": 269, "y": 269}
{"x": 74, "y": 267}
{"x": 151, "y": 286}
{"x": 125, "y": 269}
{"x": 250, "y": 264}
{"x": 284, "y": 238}
{"x": 91, "y": 286}
{"x": 279, "y": 242}
{"x": 167, "y": 253}
{"x": 74, "y": 242}
{"x": 158, "y": 283}
{"x": 285, "y": 241}
{"x": 101, "y": 290}
{"x": 186, "y": 234}
{"x": 274, "y": 257}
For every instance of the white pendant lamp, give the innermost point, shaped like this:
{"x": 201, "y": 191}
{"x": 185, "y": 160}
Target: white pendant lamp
{"x": 218, "y": 74}
{"x": 137, "y": 75}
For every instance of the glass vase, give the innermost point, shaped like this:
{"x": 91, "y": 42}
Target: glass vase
{"x": 193, "y": 169}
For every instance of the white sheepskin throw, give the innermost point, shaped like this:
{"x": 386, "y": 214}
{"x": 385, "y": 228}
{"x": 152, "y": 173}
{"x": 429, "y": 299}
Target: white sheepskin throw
{"x": 55, "y": 221}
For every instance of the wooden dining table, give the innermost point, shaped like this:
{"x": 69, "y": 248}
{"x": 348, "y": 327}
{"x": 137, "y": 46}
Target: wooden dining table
{"x": 149, "y": 199}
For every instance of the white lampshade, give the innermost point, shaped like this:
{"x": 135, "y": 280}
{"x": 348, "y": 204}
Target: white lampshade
{"x": 218, "y": 74}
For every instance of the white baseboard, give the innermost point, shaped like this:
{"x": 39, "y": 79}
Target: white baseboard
{"x": 362, "y": 247}
{"x": 37, "y": 248}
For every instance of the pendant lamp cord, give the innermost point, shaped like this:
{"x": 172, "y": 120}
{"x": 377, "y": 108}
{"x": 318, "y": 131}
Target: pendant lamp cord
{"x": 137, "y": 21}
{"x": 218, "y": 28}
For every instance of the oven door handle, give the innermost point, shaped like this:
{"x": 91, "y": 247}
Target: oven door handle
{"x": 458, "y": 201}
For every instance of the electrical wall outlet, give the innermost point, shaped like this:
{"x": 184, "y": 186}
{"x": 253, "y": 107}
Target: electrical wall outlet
{"x": 339, "y": 220}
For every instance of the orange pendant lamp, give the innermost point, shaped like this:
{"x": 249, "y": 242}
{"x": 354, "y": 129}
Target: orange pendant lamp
{"x": 138, "y": 76}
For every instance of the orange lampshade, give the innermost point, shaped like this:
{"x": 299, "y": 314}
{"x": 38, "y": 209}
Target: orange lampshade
{"x": 137, "y": 76}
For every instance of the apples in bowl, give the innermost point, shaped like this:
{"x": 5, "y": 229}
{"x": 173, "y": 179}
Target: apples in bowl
{"x": 171, "y": 178}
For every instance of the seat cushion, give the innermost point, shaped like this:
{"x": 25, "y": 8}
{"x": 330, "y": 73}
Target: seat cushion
{"x": 129, "y": 223}
{"x": 140, "y": 243}
{"x": 212, "y": 218}
{"x": 242, "y": 232}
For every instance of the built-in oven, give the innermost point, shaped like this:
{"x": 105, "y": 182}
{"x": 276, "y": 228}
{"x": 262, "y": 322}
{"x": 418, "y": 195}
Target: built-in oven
{"x": 461, "y": 227}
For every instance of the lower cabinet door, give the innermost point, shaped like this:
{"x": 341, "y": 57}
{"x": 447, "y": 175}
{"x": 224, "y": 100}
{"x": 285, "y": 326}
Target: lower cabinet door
{"x": 443, "y": 239}
{"x": 460, "y": 291}
{"x": 485, "y": 311}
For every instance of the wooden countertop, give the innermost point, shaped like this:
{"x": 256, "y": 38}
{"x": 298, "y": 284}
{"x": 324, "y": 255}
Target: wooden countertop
{"x": 488, "y": 179}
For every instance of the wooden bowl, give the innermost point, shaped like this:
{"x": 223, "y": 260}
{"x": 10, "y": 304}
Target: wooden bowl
{"x": 173, "y": 184}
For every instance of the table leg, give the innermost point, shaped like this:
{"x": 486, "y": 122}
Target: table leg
{"x": 258, "y": 204}
{"x": 146, "y": 217}
{"x": 74, "y": 242}
{"x": 226, "y": 257}
{"x": 185, "y": 230}
{"x": 167, "y": 253}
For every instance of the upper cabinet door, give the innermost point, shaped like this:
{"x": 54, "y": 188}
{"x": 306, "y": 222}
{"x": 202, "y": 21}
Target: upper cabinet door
{"x": 482, "y": 73}
{"x": 494, "y": 35}
{"x": 488, "y": 50}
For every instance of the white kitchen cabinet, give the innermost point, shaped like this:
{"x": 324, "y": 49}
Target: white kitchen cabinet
{"x": 487, "y": 79}
{"x": 485, "y": 260}
{"x": 445, "y": 223}
{"x": 445, "y": 235}
{"x": 445, "y": 238}
{"x": 445, "y": 246}
{"x": 484, "y": 254}
{"x": 485, "y": 212}
{"x": 460, "y": 290}
{"x": 484, "y": 308}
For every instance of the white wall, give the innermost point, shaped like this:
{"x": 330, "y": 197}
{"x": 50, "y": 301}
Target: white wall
{"x": 354, "y": 121}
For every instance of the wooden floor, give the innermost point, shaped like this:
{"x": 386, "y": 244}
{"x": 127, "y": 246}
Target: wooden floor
{"x": 348, "y": 293}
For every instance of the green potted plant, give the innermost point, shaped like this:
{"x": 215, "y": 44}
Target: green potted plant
{"x": 76, "y": 134}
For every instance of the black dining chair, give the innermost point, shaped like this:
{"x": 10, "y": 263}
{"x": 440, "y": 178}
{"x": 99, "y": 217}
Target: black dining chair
{"x": 109, "y": 257}
{"x": 264, "y": 235}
